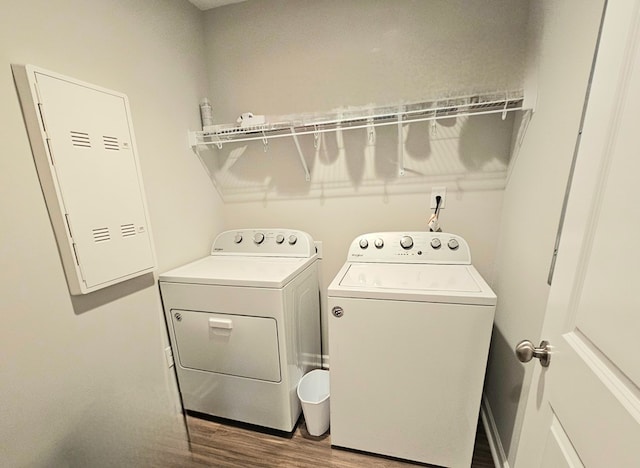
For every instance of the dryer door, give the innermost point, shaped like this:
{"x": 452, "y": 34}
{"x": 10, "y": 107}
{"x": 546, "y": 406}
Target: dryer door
{"x": 227, "y": 344}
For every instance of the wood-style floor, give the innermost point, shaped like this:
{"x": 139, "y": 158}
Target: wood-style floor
{"x": 217, "y": 444}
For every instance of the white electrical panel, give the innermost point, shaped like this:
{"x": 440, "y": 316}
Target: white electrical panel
{"x": 85, "y": 153}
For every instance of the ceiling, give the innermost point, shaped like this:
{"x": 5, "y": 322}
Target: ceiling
{"x": 208, "y": 4}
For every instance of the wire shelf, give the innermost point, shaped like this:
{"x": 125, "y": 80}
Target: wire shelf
{"x": 367, "y": 117}
{"x": 361, "y": 117}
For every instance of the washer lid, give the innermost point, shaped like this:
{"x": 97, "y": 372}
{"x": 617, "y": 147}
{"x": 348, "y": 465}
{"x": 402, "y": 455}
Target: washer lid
{"x": 458, "y": 284}
{"x": 259, "y": 272}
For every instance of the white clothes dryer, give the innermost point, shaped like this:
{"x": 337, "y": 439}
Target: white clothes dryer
{"x": 409, "y": 333}
{"x": 244, "y": 325}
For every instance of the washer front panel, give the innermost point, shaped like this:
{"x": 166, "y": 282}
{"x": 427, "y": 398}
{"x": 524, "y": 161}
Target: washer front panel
{"x": 406, "y": 377}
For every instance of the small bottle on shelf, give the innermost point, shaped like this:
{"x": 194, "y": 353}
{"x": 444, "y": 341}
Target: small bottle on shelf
{"x": 206, "y": 113}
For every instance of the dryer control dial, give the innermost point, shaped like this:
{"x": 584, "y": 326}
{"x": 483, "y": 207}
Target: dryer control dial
{"x": 453, "y": 244}
{"x": 258, "y": 238}
{"x": 406, "y": 242}
{"x": 435, "y": 243}
{"x": 379, "y": 243}
{"x": 238, "y": 238}
{"x": 279, "y": 239}
{"x": 364, "y": 243}
{"x": 292, "y": 239}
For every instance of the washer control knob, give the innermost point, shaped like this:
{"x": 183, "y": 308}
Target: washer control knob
{"x": 406, "y": 242}
{"x": 435, "y": 243}
{"x": 258, "y": 238}
{"x": 453, "y": 244}
{"x": 364, "y": 243}
{"x": 279, "y": 239}
{"x": 379, "y": 243}
{"x": 238, "y": 238}
{"x": 292, "y": 239}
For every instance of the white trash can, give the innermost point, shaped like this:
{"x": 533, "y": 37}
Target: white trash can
{"x": 313, "y": 392}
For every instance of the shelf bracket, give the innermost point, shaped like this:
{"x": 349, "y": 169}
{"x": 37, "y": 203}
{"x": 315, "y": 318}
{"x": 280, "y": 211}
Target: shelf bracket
{"x": 193, "y": 143}
{"x": 400, "y": 144}
{"x": 307, "y": 176}
{"x": 506, "y": 105}
{"x": 371, "y": 132}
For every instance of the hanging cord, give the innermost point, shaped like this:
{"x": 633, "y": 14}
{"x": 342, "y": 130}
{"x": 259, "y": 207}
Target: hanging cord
{"x": 433, "y": 220}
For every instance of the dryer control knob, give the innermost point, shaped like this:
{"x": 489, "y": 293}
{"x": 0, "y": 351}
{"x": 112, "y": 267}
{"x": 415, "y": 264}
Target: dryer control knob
{"x": 379, "y": 243}
{"x": 406, "y": 242}
{"x": 435, "y": 243}
{"x": 258, "y": 238}
{"x": 453, "y": 244}
{"x": 292, "y": 239}
{"x": 279, "y": 239}
{"x": 364, "y": 243}
{"x": 238, "y": 238}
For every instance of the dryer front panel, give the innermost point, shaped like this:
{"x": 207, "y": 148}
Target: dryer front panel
{"x": 238, "y": 345}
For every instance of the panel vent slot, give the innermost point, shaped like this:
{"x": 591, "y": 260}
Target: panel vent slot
{"x": 128, "y": 230}
{"x": 80, "y": 139}
{"x": 111, "y": 143}
{"x": 101, "y": 235}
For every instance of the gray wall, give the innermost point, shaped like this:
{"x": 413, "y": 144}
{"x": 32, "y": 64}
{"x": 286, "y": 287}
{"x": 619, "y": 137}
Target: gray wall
{"x": 287, "y": 56}
{"x": 83, "y": 379}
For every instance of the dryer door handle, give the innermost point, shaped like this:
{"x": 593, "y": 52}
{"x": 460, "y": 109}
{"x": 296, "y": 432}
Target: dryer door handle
{"x": 220, "y": 323}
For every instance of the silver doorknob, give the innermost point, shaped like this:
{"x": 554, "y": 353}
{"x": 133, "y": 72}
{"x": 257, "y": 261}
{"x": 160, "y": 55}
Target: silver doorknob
{"x": 526, "y": 352}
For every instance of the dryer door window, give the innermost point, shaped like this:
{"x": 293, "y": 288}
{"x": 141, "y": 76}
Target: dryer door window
{"x": 237, "y": 345}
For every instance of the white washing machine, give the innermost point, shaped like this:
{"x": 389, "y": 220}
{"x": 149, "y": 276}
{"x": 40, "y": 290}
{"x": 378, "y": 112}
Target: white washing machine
{"x": 409, "y": 333}
{"x": 244, "y": 325}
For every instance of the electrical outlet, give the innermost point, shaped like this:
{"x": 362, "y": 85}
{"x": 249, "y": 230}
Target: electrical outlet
{"x": 438, "y": 191}
{"x": 168, "y": 354}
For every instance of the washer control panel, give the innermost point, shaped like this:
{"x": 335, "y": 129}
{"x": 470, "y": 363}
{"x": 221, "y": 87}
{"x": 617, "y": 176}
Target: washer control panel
{"x": 264, "y": 242}
{"x": 410, "y": 247}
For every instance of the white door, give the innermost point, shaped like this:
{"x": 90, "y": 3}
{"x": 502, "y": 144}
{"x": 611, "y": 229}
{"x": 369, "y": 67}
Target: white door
{"x": 584, "y": 409}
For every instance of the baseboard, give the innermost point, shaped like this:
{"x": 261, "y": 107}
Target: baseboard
{"x": 497, "y": 451}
